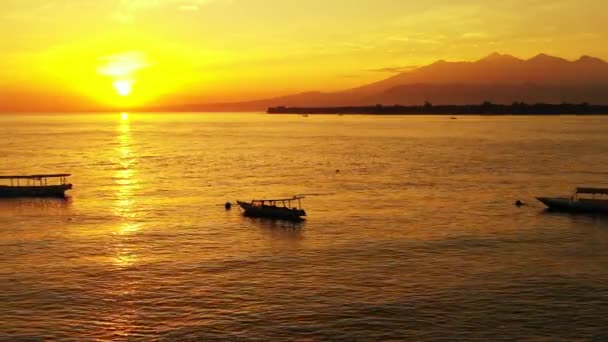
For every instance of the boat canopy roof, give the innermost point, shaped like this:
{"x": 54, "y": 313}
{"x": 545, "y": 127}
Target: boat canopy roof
{"x": 294, "y": 198}
{"x": 57, "y": 175}
{"x": 602, "y": 191}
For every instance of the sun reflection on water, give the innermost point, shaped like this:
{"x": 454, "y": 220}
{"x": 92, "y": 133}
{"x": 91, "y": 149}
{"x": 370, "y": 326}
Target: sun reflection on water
{"x": 124, "y": 255}
{"x": 126, "y": 185}
{"x": 125, "y": 258}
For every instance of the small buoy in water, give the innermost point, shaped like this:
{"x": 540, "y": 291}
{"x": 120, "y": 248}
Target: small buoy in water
{"x": 519, "y": 203}
{"x": 228, "y": 205}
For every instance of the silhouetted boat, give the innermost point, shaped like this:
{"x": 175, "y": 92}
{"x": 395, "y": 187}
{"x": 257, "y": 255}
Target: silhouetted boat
{"x": 577, "y": 204}
{"x": 34, "y": 186}
{"x": 281, "y": 209}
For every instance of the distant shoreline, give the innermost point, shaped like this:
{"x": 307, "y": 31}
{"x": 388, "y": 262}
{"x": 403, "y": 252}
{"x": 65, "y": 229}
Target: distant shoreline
{"x": 486, "y": 108}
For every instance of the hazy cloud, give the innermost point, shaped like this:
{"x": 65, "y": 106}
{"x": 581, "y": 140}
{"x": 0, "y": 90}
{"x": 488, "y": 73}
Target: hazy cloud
{"x": 128, "y": 9}
{"x": 394, "y": 70}
{"x": 189, "y": 8}
{"x": 123, "y": 64}
{"x": 474, "y": 35}
{"x": 142, "y": 4}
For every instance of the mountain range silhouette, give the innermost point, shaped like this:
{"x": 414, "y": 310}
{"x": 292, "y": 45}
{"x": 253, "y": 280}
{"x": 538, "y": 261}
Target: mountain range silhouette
{"x": 497, "y": 78}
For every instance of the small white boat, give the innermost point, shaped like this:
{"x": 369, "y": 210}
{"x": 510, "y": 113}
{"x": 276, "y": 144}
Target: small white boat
{"x": 578, "y": 203}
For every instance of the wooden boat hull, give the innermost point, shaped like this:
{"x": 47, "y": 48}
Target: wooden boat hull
{"x": 580, "y": 205}
{"x": 271, "y": 212}
{"x": 34, "y": 191}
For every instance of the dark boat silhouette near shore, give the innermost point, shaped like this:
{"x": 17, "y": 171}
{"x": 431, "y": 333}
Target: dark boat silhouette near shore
{"x": 280, "y": 209}
{"x": 49, "y": 185}
{"x": 576, "y": 203}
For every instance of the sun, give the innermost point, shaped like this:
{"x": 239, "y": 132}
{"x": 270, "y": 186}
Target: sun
{"x": 123, "y": 87}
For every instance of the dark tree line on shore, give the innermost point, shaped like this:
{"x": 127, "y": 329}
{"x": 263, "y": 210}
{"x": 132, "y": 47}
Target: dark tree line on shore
{"x": 486, "y": 108}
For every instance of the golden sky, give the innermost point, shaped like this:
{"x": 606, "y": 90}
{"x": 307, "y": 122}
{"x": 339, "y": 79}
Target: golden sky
{"x": 122, "y": 53}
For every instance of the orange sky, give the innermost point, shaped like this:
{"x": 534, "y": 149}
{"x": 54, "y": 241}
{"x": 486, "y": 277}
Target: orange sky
{"x": 79, "y": 54}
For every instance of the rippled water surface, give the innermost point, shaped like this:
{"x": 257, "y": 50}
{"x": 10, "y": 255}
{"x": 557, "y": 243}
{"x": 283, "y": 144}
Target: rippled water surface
{"x": 415, "y": 238}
